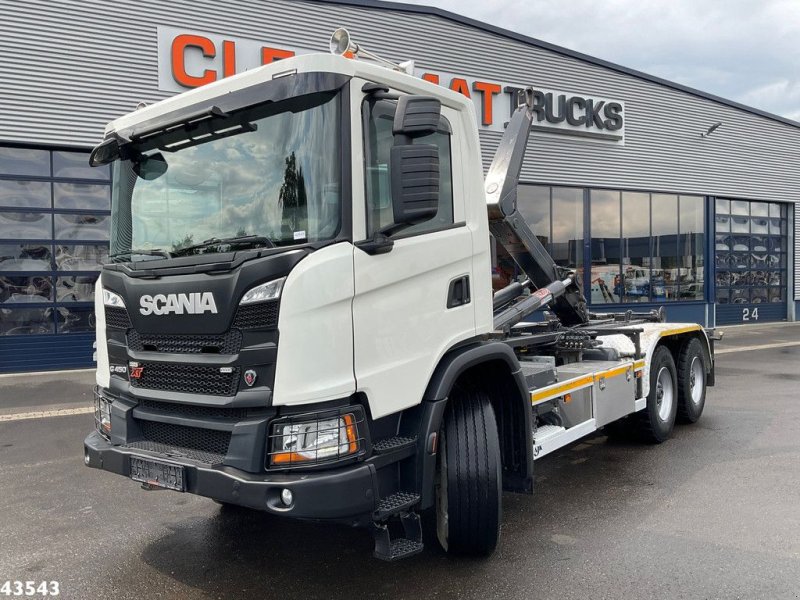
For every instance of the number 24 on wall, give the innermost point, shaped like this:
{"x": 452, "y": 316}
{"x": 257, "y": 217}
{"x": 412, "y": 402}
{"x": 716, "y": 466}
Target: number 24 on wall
{"x": 749, "y": 314}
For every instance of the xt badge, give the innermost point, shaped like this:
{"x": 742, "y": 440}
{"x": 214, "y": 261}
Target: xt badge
{"x": 250, "y": 377}
{"x": 135, "y": 370}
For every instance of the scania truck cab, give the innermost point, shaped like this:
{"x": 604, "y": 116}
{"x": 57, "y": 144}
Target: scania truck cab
{"x": 297, "y": 314}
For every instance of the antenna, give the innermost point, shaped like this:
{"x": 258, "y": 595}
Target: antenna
{"x": 341, "y": 43}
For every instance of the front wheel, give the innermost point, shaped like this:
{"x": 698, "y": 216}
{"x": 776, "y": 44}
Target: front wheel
{"x": 468, "y": 483}
{"x": 656, "y": 421}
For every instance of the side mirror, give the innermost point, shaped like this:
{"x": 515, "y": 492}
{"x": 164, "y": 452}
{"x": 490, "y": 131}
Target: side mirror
{"x": 150, "y": 167}
{"x": 415, "y": 182}
{"x": 414, "y": 168}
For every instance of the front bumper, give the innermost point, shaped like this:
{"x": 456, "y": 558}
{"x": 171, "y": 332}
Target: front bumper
{"x": 344, "y": 494}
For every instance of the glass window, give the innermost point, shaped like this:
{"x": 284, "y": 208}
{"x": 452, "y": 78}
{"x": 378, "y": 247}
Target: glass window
{"x": 81, "y": 227}
{"x": 740, "y": 207}
{"x": 25, "y": 257}
{"x": 605, "y": 282}
{"x": 82, "y": 196}
{"x": 533, "y": 203}
{"x": 75, "y": 165}
{"x": 691, "y": 249}
{"x": 26, "y": 321}
{"x": 665, "y": 273}
{"x": 26, "y": 225}
{"x": 76, "y": 319}
{"x": 567, "y": 245}
{"x": 379, "y": 141}
{"x": 635, "y": 247}
{"x": 35, "y": 288}
{"x": 78, "y": 288}
{"x": 24, "y": 194}
{"x": 81, "y": 258}
{"x": 24, "y": 161}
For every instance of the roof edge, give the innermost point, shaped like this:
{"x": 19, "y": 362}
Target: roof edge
{"x": 451, "y": 16}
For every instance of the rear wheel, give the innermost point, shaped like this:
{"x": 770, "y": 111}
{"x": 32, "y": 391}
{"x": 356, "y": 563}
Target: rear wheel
{"x": 656, "y": 421}
{"x": 691, "y": 381}
{"x": 468, "y": 488}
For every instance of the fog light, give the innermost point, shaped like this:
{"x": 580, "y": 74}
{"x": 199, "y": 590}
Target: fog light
{"x": 286, "y": 496}
{"x": 86, "y": 459}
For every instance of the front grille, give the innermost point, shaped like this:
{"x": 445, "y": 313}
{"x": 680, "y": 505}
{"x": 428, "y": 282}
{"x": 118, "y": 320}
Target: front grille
{"x": 262, "y": 315}
{"x": 195, "y": 411}
{"x": 117, "y": 317}
{"x": 205, "y": 445}
{"x": 189, "y": 379}
{"x": 227, "y": 343}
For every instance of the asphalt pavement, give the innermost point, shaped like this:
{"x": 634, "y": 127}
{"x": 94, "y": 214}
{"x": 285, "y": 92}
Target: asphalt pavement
{"x": 712, "y": 513}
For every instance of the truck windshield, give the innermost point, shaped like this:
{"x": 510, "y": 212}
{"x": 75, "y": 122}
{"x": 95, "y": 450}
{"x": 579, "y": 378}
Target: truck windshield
{"x": 271, "y": 178}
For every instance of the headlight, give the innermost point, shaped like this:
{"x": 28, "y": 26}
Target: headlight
{"x": 266, "y": 291}
{"x": 305, "y": 440}
{"x": 102, "y": 415}
{"x": 112, "y": 299}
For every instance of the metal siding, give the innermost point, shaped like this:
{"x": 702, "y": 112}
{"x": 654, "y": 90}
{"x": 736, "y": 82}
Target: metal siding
{"x": 71, "y": 66}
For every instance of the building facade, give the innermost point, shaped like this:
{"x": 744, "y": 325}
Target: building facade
{"x": 659, "y": 195}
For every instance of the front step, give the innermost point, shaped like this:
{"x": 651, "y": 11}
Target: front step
{"x": 396, "y": 504}
{"x": 389, "y": 549}
{"x": 393, "y": 444}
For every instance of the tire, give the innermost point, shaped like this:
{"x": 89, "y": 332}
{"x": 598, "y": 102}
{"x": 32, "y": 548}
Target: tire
{"x": 656, "y": 422}
{"x": 691, "y": 381}
{"x": 468, "y": 482}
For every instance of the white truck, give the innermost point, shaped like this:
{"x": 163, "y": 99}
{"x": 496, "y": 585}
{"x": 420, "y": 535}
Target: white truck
{"x": 298, "y": 316}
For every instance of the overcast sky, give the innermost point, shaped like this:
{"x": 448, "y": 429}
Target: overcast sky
{"x": 744, "y": 50}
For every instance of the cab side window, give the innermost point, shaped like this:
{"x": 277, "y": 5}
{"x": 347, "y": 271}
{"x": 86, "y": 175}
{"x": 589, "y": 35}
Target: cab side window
{"x": 378, "y": 119}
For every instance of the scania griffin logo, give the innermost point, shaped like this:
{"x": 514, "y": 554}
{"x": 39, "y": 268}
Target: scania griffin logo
{"x": 195, "y": 303}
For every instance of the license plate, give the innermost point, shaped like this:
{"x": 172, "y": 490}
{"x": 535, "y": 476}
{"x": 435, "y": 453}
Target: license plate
{"x": 158, "y": 474}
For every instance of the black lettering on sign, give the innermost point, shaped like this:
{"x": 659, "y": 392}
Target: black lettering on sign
{"x": 550, "y": 113}
{"x": 594, "y": 113}
{"x": 613, "y": 113}
{"x": 540, "y": 105}
{"x": 572, "y": 104}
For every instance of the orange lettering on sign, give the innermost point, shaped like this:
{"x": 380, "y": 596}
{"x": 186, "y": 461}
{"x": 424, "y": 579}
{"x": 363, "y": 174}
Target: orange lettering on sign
{"x": 269, "y": 55}
{"x": 178, "y": 55}
{"x": 432, "y": 77}
{"x": 460, "y": 85}
{"x": 228, "y": 58}
{"x": 488, "y": 91}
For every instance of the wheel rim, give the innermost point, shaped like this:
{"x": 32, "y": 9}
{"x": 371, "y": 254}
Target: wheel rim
{"x": 697, "y": 380}
{"x": 665, "y": 393}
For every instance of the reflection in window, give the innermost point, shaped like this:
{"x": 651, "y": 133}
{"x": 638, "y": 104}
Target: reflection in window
{"x": 567, "y": 235}
{"x": 87, "y": 257}
{"x": 24, "y": 194}
{"x": 75, "y": 319}
{"x": 81, "y": 227}
{"x": 691, "y": 248}
{"x": 751, "y": 266}
{"x": 605, "y": 282}
{"x": 26, "y": 225}
{"x": 533, "y": 203}
{"x": 24, "y": 161}
{"x": 665, "y": 247}
{"x": 25, "y": 257}
{"x": 24, "y": 289}
{"x": 26, "y": 321}
{"x": 635, "y": 247}
{"x": 82, "y": 196}
{"x": 79, "y": 288}
{"x": 75, "y": 165}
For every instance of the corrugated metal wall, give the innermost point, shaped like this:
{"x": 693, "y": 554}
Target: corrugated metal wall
{"x": 68, "y": 67}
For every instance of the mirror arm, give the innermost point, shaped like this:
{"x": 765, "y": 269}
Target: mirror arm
{"x": 380, "y": 243}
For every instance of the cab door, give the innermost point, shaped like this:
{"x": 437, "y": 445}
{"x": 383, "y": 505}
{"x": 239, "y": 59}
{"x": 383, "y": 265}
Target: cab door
{"x": 414, "y": 302}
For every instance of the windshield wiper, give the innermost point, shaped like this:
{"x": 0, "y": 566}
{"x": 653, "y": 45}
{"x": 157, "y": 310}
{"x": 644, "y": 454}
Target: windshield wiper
{"x": 142, "y": 252}
{"x": 239, "y": 240}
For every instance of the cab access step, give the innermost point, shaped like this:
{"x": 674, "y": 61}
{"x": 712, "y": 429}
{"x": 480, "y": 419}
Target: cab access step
{"x": 399, "y": 504}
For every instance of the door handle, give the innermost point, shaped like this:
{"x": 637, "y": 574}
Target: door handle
{"x": 458, "y": 293}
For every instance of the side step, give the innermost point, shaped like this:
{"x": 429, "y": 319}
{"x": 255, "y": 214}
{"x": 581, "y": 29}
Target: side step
{"x": 396, "y": 504}
{"x": 393, "y": 444}
{"x": 389, "y": 549}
